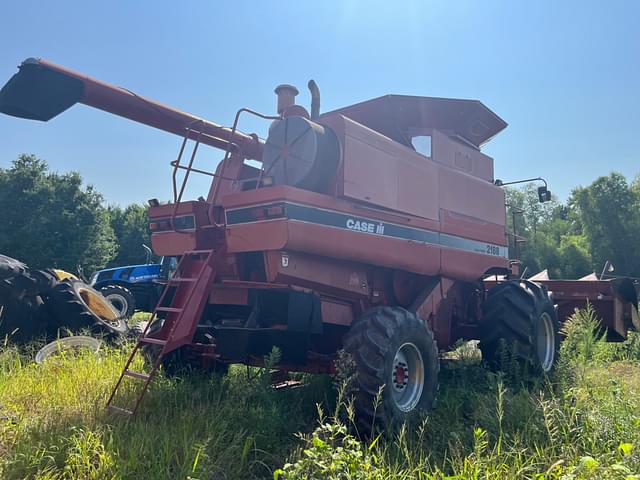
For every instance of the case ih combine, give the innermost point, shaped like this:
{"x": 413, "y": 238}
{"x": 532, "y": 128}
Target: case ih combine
{"x": 333, "y": 233}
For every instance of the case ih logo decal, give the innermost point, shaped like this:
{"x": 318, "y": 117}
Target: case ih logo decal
{"x": 331, "y": 218}
{"x": 367, "y": 227}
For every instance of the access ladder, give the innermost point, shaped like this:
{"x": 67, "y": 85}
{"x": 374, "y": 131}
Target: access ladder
{"x": 191, "y": 282}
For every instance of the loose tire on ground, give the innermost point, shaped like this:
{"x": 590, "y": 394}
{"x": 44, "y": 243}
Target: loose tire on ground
{"x": 45, "y": 280}
{"x": 395, "y": 350}
{"x": 121, "y": 298}
{"x": 22, "y": 320}
{"x": 520, "y": 315}
{"x": 76, "y": 305}
{"x": 10, "y": 267}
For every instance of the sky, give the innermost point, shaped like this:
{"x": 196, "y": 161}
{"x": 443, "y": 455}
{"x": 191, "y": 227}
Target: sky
{"x": 564, "y": 75}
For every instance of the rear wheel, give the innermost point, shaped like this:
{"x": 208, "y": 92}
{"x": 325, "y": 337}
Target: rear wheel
{"x": 76, "y": 305}
{"x": 10, "y": 267}
{"x": 121, "y": 298}
{"x": 395, "y": 353}
{"x": 22, "y": 320}
{"x": 520, "y": 316}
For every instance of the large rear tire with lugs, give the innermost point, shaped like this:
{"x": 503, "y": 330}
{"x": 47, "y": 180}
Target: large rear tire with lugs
{"x": 395, "y": 353}
{"x": 10, "y": 267}
{"x": 22, "y": 320}
{"x": 520, "y": 316}
{"x": 76, "y": 305}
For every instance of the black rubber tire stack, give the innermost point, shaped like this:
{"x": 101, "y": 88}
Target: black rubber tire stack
{"x": 373, "y": 341}
{"x": 10, "y": 267}
{"x": 71, "y": 311}
{"x": 22, "y": 313}
{"x": 121, "y": 298}
{"x": 511, "y": 319}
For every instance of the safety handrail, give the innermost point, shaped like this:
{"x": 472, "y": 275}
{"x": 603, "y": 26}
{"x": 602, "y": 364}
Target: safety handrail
{"x": 227, "y": 153}
{"x": 229, "y": 149}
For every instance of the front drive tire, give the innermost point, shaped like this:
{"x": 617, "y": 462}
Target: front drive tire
{"x": 121, "y": 298}
{"x": 520, "y": 316}
{"x": 394, "y": 350}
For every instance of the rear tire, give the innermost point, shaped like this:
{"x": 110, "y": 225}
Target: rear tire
{"x": 76, "y": 305}
{"x": 520, "y": 316}
{"x": 10, "y": 267}
{"x": 395, "y": 350}
{"x": 22, "y": 320}
{"x": 121, "y": 298}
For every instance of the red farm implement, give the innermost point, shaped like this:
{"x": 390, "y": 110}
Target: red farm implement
{"x": 377, "y": 228}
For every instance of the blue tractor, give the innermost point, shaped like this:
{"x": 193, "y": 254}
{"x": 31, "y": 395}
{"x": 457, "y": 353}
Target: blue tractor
{"x": 134, "y": 287}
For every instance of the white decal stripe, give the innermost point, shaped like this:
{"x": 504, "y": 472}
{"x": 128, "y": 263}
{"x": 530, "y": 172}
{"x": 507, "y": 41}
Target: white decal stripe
{"x": 369, "y": 226}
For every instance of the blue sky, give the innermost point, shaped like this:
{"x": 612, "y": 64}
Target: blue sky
{"x": 564, "y": 75}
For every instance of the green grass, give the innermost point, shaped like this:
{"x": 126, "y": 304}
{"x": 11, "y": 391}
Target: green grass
{"x": 582, "y": 423}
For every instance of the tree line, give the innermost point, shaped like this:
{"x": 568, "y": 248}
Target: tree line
{"x": 51, "y": 219}
{"x": 597, "y": 223}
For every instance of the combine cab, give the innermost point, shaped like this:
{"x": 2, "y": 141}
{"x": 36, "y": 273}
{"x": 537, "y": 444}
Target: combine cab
{"x": 372, "y": 228}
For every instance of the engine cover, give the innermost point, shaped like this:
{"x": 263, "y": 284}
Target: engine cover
{"x": 301, "y": 153}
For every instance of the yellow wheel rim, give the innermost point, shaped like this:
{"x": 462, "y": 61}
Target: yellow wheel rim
{"x": 62, "y": 275}
{"x": 98, "y": 305}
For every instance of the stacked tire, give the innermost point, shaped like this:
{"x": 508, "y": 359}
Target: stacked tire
{"x": 37, "y": 304}
{"x": 75, "y": 306}
{"x": 22, "y": 312}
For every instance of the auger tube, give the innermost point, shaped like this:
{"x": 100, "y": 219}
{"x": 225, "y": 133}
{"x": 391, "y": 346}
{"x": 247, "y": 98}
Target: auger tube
{"x": 42, "y": 90}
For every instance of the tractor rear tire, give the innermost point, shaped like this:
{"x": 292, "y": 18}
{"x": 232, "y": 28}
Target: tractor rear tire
{"x": 395, "y": 353}
{"x": 22, "y": 320}
{"x": 521, "y": 317}
{"x": 10, "y": 267}
{"x": 76, "y": 305}
{"x": 121, "y": 298}
{"x": 45, "y": 280}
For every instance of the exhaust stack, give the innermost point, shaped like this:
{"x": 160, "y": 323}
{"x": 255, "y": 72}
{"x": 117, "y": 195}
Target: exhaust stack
{"x": 315, "y": 99}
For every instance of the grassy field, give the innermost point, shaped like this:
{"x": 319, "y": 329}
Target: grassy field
{"x": 583, "y": 423}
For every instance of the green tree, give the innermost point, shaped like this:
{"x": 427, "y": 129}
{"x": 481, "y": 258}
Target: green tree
{"x": 609, "y": 210}
{"x": 553, "y": 235}
{"x": 131, "y": 227}
{"x": 50, "y": 220}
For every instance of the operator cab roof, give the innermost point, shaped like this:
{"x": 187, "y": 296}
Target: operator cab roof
{"x": 400, "y": 116}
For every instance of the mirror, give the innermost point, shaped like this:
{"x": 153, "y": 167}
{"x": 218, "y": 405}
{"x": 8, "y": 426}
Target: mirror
{"x": 544, "y": 194}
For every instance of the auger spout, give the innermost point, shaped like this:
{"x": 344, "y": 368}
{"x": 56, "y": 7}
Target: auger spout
{"x": 42, "y": 90}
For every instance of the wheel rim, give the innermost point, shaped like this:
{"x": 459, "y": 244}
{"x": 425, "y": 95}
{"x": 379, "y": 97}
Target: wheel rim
{"x": 98, "y": 305}
{"x": 119, "y": 303}
{"x": 407, "y": 377}
{"x": 546, "y": 342}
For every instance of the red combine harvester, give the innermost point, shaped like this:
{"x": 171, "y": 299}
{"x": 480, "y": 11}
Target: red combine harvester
{"x": 377, "y": 228}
